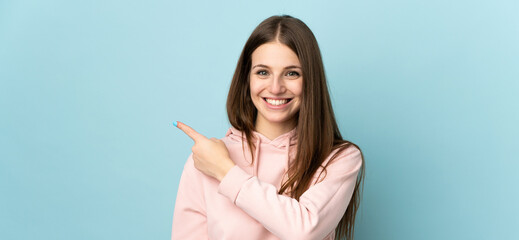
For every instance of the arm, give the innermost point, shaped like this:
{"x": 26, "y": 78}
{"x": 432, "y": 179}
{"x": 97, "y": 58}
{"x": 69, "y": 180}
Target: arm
{"x": 318, "y": 210}
{"x": 189, "y": 219}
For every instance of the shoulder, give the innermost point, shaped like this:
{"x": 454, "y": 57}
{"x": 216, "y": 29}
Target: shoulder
{"x": 189, "y": 166}
{"x": 345, "y": 150}
{"x": 233, "y": 136}
{"x": 190, "y": 170}
{"x": 344, "y": 162}
{"x": 346, "y": 157}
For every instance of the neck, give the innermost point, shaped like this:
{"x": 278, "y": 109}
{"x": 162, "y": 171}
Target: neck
{"x": 273, "y": 130}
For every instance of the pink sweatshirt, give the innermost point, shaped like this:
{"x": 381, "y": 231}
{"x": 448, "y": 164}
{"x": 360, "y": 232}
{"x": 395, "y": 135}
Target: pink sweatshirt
{"x": 246, "y": 203}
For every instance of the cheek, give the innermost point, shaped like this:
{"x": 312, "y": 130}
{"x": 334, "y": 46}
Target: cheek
{"x": 255, "y": 88}
{"x": 297, "y": 88}
{"x": 254, "y": 94}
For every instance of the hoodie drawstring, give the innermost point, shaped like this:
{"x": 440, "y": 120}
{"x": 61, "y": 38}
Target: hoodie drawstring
{"x": 287, "y": 146}
{"x": 256, "y": 158}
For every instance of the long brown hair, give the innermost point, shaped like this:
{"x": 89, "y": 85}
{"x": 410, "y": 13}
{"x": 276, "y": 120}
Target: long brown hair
{"x": 317, "y": 132}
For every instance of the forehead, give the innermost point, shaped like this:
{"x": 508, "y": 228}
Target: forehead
{"x": 274, "y": 54}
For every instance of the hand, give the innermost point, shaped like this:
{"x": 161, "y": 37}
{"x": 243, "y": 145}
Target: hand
{"x": 211, "y": 156}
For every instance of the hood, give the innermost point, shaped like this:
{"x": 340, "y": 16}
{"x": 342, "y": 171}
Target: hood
{"x": 286, "y": 141}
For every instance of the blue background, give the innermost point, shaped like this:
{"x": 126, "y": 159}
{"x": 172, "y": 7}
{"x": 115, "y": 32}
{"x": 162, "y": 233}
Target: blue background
{"x": 428, "y": 89}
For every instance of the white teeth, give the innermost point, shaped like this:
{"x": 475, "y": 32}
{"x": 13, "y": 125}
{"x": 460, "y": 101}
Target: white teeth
{"x": 276, "y": 102}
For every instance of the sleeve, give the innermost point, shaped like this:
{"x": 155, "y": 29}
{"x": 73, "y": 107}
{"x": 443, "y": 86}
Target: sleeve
{"x": 189, "y": 218}
{"x": 318, "y": 210}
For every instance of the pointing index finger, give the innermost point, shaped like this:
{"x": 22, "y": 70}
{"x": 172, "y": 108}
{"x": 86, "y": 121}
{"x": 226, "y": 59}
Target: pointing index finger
{"x": 190, "y": 132}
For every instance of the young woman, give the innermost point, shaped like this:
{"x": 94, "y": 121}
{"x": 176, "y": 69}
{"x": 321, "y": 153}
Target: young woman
{"x": 283, "y": 170}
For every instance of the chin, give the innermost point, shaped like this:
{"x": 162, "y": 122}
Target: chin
{"x": 280, "y": 119}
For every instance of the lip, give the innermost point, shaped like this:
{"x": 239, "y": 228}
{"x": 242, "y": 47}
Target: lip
{"x": 276, "y": 107}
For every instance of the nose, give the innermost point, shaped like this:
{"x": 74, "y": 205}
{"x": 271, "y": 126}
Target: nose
{"x": 277, "y": 85}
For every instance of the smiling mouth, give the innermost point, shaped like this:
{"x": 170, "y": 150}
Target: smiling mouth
{"x": 277, "y": 102}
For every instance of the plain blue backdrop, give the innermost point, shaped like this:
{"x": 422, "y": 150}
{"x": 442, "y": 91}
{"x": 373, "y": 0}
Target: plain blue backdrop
{"x": 89, "y": 89}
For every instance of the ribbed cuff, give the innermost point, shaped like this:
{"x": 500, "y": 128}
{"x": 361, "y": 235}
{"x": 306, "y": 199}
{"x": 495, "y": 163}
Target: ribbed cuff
{"x": 231, "y": 184}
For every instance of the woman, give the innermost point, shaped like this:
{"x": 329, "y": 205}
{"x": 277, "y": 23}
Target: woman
{"x": 283, "y": 170}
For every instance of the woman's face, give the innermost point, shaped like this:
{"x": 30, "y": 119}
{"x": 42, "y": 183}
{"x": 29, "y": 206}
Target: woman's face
{"x": 276, "y": 84}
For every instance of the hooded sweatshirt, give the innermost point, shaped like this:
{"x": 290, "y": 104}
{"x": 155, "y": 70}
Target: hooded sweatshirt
{"x": 246, "y": 203}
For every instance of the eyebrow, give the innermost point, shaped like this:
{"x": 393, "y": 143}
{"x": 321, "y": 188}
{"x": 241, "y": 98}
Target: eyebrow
{"x": 265, "y": 66}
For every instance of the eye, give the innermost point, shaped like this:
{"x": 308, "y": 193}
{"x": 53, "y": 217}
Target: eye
{"x": 262, "y": 73}
{"x": 293, "y": 74}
